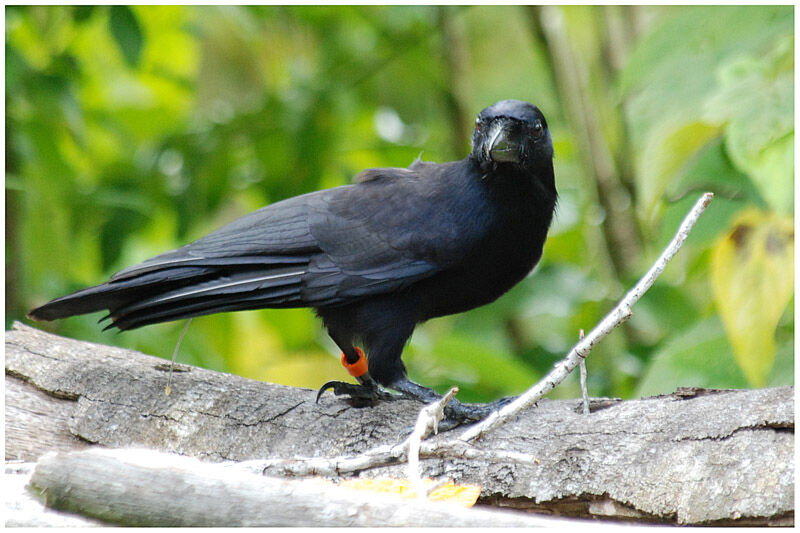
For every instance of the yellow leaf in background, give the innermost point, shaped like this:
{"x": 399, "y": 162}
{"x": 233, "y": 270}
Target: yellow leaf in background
{"x": 464, "y": 495}
{"x": 752, "y": 276}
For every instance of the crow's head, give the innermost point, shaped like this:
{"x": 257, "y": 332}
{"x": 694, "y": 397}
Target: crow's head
{"x": 511, "y": 132}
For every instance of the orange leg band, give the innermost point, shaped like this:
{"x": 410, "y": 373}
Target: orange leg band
{"x": 359, "y": 368}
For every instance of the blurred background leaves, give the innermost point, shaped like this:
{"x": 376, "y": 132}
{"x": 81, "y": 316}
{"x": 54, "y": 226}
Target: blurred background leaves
{"x": 132, "y": 130}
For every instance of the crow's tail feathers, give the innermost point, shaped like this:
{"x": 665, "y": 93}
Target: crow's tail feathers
{"x": 182, "y": 292}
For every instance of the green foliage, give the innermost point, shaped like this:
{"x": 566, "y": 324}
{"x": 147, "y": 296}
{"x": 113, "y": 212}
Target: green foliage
{"x": 126, "y": 31}
{"x": 700, "y": 357}
{"x": 727, "y": 115}
{"x": 134, "y": 129}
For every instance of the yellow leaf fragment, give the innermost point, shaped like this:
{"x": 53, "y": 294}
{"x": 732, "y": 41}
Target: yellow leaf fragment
{"x": 465, "y": 495}
{"x": 752, "y": 277}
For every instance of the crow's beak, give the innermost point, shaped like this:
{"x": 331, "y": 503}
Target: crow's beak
{"x": 502, "y": 146}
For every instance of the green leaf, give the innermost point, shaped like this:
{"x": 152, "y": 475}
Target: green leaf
{"x": 756, "y": 100}
{"x": 81, "y": 14}
{"x": 665, "y": 82}
{"x": 666, "y": 95}
{"x": 665, "y": 310}
{"x": 699, "y": 357}
{"x": 481, "y": 371}
{"x": 126, "y": 31}
{"x": 665, "y": 156}
{"x": 752, "y": 277}
{"x": 783, "y": 370}
{"x": 712, "y": 170}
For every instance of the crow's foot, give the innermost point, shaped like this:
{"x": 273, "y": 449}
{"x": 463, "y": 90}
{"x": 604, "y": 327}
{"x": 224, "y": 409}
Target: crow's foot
{"x": 455, "y": 412}
{"x": 363, "y": 394}
{"x": 459, "y": 414}
{"x": 473, "y": 412}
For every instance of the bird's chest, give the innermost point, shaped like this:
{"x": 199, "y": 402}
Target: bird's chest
{"x": 505, "y": 254}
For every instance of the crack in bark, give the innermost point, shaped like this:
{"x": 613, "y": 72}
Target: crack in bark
{"x": 61, "y": 395}
{"x": 279, "y": 415}
{"x": 32, "y": 352}
{"x": 767, "y": 426}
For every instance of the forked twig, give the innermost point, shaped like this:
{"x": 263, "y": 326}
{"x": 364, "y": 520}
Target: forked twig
{"x": 427, "y": 421}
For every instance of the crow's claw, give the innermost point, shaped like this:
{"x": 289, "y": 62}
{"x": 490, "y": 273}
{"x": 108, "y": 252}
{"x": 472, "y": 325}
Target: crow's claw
{"x": 369, "y": 392}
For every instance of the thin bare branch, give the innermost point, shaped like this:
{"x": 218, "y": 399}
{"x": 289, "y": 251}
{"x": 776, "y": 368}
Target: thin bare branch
{"x": 584, "y": 387}
{"x": 616, "y": 317}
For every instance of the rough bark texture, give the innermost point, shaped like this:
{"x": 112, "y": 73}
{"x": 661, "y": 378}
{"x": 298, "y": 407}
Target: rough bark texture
{"x": 696, "y": 456}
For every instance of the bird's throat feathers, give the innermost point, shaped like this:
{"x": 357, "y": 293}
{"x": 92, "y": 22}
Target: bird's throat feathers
{"x": 527, "y": 184}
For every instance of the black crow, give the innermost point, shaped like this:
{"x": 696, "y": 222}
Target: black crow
{"x": 376, "y": 258}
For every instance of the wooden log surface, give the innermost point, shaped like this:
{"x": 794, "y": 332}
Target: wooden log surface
{"x": 143, "y": 488}
{"x": 693, "y": 457}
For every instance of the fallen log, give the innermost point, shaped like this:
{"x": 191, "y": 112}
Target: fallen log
{"x": 693, "y": 457}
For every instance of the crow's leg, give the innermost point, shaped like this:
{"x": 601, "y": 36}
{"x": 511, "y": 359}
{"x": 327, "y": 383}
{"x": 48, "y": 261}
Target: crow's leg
{"x": 354, "y": 360}
{"x": 456, "y": 412}
{"x": 387, "y": 369}
{"x": 383, "y": 338}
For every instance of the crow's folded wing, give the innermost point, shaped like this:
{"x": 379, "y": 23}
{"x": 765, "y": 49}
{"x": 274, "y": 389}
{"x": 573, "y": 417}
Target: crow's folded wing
{"x": 324, "y": 248}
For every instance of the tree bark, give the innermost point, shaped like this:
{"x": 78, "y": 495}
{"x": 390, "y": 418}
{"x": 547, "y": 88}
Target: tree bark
{"x": 693, "y": 457}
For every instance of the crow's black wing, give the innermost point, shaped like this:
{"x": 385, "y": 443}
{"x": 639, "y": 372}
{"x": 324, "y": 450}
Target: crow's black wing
{"x": 322, "y": 248}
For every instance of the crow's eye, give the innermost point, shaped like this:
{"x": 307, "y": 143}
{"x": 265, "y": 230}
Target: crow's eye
{"x": 537, "y": 129}
{"x": 477, "y": 124}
